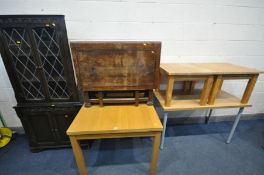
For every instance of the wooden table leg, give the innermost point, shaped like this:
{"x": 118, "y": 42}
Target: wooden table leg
{"x": 250, "y": 86}
{"x": 136, "y": 98}
{"x": 77, "y": 151}
{"x": 192, "y": 87}
{"x": 206, "y": 90}
{"x": 155, "y": 153}
{"x": 100, "y": 97}
{"x": 218, "y": 81}
{"x": 220, "y": 86}
{"x": 160, "y": 80}
{"x": 169, "y": 90}
{"x": 87, "y": 102}
{"x": 150, "y": 98}
{"x": 186, "y": 87}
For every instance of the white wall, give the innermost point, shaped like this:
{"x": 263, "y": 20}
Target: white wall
{"x": 190, "y": 31}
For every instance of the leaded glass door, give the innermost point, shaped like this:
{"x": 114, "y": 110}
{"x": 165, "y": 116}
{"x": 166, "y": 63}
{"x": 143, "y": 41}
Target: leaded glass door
{"x": 36, "y": 54}
{"x": 50, "y": 54}
{"x": 20, "y": 50}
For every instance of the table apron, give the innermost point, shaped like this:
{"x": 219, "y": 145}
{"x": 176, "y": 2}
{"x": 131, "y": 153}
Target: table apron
{"x": 115, "y": 135}
{"x": 237, "y": 76}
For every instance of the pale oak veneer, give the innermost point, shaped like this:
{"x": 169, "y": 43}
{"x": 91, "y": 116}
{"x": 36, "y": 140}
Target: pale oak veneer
{"x": 115, "y": 121}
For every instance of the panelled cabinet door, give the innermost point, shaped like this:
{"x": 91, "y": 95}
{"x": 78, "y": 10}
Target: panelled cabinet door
{"x": 63, "y": 119}
{"x": 39, "y": 126}
{"x": 21, "y": 59}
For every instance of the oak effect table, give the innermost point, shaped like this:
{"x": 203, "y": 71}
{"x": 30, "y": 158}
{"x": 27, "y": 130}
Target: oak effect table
{"x": 210, "y": 96}
{"x": 116, "y": 121}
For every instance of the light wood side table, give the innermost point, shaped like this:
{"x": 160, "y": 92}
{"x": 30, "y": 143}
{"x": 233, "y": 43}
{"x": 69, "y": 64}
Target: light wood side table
{"x": 117, "y": 121}
{"x": 210, "y": 96}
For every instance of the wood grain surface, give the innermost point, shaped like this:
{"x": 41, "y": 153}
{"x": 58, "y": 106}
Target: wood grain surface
{"x": 103, "y": 66}
{"x": 180, "y": 101}
{"x": 207, "y": 69}
{"x": 115, "y": 119}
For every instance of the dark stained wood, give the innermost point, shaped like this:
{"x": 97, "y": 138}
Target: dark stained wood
{"x": 45, "y": 118}
{"x": 117, "y": 66}
{"x": 30, "y": 23}
{"x": 137, "y": 97}
{"x": 101, "y": 96}
{"x": 150, "y": 97}
{"x": 46, "y": 126}
{"x": 87, "y": 101}
{"x": 118, "y": 97}
{"x": 120, "y": 100}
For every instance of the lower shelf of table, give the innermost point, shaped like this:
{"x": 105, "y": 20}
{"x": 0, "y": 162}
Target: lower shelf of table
{"x": 182, "y": 101}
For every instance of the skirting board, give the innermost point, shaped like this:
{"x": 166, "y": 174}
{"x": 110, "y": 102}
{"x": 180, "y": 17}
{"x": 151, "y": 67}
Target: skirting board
{"x": 18, "y": 130}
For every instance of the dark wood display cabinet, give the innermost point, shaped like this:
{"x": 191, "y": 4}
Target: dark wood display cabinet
{"x": 36, "y": 54}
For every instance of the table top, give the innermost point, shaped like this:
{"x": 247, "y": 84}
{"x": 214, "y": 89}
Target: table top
{"x": 116, "y": 65}
{"x": 207, "y": 69}
{"x": 115, "y": 119}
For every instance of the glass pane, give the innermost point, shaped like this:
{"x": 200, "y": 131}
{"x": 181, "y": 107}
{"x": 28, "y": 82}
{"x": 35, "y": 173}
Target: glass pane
{"x": 50, "y": 55}
{"x": 21, "y": 52}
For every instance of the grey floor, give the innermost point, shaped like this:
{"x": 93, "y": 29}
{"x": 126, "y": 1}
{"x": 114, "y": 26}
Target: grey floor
{"x": 189, "y": 150}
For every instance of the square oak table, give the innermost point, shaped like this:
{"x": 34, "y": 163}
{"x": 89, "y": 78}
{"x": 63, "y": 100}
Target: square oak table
{"x": 116, "y": 121}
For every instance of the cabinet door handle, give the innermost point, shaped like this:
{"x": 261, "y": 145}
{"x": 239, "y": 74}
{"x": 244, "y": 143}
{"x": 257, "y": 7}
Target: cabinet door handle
{"x": 66, "y": 116}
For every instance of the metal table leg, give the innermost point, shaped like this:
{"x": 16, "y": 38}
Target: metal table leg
{"x": 208, "y": 117}
{"x": 235, "y": 125}
{"x": 164, "y": 129}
